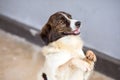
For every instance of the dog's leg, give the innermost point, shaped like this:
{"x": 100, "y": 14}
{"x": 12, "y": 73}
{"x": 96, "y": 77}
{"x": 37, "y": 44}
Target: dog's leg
{"x": 90, "y": 59}
{"x": 73, "y": 67}
{"x": 85, "y": 65}
{"x": 87, "y": 62}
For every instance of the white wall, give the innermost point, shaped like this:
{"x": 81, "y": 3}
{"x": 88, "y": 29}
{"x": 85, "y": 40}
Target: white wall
{"x": 100, "y": 18}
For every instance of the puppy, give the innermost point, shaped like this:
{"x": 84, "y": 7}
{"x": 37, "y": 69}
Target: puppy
{"x": 64, "y": 58}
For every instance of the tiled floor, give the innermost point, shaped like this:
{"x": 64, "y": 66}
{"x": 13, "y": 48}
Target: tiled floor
{"x": 16, "y": 45}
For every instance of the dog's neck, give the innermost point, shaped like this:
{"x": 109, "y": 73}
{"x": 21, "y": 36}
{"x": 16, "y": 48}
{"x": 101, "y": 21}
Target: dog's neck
{"x": 71, "y": 42}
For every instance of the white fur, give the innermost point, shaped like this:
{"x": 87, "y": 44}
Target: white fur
{"x": 72, "y": 24}
{"x": 58, "y": 53}
{"x": 52, "y": 62}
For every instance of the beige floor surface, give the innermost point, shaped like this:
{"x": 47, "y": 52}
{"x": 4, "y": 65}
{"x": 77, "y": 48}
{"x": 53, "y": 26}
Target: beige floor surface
{"x": 16, "y": 45}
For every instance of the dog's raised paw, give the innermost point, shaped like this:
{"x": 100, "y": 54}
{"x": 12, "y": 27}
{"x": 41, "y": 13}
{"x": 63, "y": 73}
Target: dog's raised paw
{"x": 91, "y": 56}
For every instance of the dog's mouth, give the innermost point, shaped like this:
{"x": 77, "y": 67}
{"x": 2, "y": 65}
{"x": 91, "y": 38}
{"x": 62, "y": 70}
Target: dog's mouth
{"x": 74, "y": 32}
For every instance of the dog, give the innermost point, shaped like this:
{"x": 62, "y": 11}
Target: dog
{"x": 64, "y": 57}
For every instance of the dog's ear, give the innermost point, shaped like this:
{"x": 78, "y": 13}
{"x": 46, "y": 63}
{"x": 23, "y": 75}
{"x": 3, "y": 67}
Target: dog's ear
{"x": 44, "y": 34}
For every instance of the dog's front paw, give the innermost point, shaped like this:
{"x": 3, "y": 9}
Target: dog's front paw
{"x": 76, "y": 63}
{"x": 91, "y": 56}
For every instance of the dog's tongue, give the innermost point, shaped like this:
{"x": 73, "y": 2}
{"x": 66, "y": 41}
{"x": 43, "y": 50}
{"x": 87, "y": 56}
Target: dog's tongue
{"x": 76, "y": 32}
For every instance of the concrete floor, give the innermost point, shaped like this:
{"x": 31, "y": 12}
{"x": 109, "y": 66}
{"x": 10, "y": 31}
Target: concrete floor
{"x": 11, "y": 60}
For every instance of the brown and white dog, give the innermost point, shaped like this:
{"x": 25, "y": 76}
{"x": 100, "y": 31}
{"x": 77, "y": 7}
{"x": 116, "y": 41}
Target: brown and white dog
{"x": 64, "y": 58}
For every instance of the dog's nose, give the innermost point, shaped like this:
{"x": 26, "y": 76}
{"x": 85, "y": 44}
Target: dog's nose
{"x": 77, "y": 24}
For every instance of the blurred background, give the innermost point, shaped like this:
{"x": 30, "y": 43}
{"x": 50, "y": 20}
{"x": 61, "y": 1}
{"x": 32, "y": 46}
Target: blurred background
{"x": 100, "y": 19}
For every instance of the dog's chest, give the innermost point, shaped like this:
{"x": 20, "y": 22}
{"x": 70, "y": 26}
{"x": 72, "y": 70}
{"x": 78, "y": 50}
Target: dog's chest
{"x": 71, "y": 44}
{"x": 61, "y": 51}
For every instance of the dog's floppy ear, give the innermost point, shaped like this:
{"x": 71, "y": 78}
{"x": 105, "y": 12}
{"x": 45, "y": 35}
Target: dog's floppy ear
{"x": 44, "y": 34}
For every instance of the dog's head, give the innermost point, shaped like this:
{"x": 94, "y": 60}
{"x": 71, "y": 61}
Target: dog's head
{"x": 59, "y": 25}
